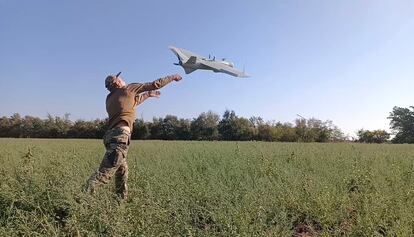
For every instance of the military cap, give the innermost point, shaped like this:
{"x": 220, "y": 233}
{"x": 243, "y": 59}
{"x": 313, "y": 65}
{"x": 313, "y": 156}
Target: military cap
{"x": 110, "y": 80}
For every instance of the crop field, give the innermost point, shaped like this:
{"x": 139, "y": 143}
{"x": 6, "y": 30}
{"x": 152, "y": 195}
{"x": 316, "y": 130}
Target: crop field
{"x": 209, "y": 189}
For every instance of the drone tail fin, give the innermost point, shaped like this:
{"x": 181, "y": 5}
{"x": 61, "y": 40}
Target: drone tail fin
{"x": 191, "y": 60}
{"x": 189, "y": 70}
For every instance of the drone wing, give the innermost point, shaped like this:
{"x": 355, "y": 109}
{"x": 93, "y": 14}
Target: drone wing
{"x": 183, "y": 54}
{"x": 221, "y": 67}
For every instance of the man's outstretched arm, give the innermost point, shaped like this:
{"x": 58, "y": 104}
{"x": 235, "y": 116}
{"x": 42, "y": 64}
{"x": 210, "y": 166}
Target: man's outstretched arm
{"x": 155, "y": 85}
{"x": 143, "y": 96}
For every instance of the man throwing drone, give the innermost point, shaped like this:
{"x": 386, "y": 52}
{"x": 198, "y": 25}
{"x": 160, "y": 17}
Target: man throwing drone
{"x": 121, "y": 103}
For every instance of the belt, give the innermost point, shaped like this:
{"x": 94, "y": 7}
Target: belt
{"x": 126, "y": 128}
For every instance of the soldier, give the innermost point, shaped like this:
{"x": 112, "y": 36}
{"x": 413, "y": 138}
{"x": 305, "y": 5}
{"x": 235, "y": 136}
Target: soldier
{"x": 120, "y": 105}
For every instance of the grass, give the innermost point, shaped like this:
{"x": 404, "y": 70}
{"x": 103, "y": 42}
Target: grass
{"x": 209, "y": 189}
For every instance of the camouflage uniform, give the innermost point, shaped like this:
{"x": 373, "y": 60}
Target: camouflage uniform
{"x": 116, "y": 142}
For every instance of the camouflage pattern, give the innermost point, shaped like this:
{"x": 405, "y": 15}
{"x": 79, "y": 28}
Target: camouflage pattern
{"x": 114, "y": 162}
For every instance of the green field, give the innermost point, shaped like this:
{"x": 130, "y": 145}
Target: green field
{"x": 209, "y": 189}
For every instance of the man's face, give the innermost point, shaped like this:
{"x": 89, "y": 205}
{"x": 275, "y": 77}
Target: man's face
{"x": 120, "y": 82}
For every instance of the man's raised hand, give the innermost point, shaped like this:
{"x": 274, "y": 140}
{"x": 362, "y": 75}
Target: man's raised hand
{"x": 176, "y": 77}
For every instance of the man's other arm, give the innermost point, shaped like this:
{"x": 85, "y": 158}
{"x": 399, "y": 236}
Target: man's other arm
{"x": 143, "y": 96}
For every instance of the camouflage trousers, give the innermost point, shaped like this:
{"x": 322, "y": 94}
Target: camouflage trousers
{"x": 114, "y": 162}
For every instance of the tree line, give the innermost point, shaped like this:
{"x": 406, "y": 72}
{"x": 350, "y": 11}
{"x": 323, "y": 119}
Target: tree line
{"x": 210, "y": 126}
{"x": 207, "y": 126}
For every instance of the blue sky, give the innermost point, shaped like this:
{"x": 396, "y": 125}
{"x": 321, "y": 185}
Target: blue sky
{"x": 347, "y": 61}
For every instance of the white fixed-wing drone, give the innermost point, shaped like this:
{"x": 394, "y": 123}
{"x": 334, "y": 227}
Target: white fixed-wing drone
{"x": 191, "y": 62}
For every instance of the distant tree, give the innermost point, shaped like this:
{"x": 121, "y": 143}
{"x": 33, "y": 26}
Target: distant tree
{"x": 205, "y": 126}
{"x": 265, "y": 132}
{"x": 57, "y": 127}
{"x": 302, "y": 130}
{"x": 277, "y": 132}
{"x": 32, "y": 127}
{"x": 402, "y": 124}
{"x": 226, "y": 127}
{"x": 319, "y": 130}
{"x": 87, "y": 129}
{"x": 329, "y": 132}
{"x": 16, "y": 128}
{"x": 156, "y": 128}
{"x": 256, "y": 122}
{"x": 169, "y": 127}
{"x": 285, "y": 132}
{"x": 244, "y": 130}
{"x": 183, "y": 130}
{"x": 141, "y": 129}
{"x": 375, "y": 136}
{"x": 306, "y": 130}
{"x": 315, "y": 130}
{"x": 5, "y": 126}
{"x": 234, "y": 128}
{"x": 102, "y": 127}
{"x": 336, "y": 135}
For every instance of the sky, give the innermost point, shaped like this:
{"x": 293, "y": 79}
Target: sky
{"x": 346, "y": 61}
